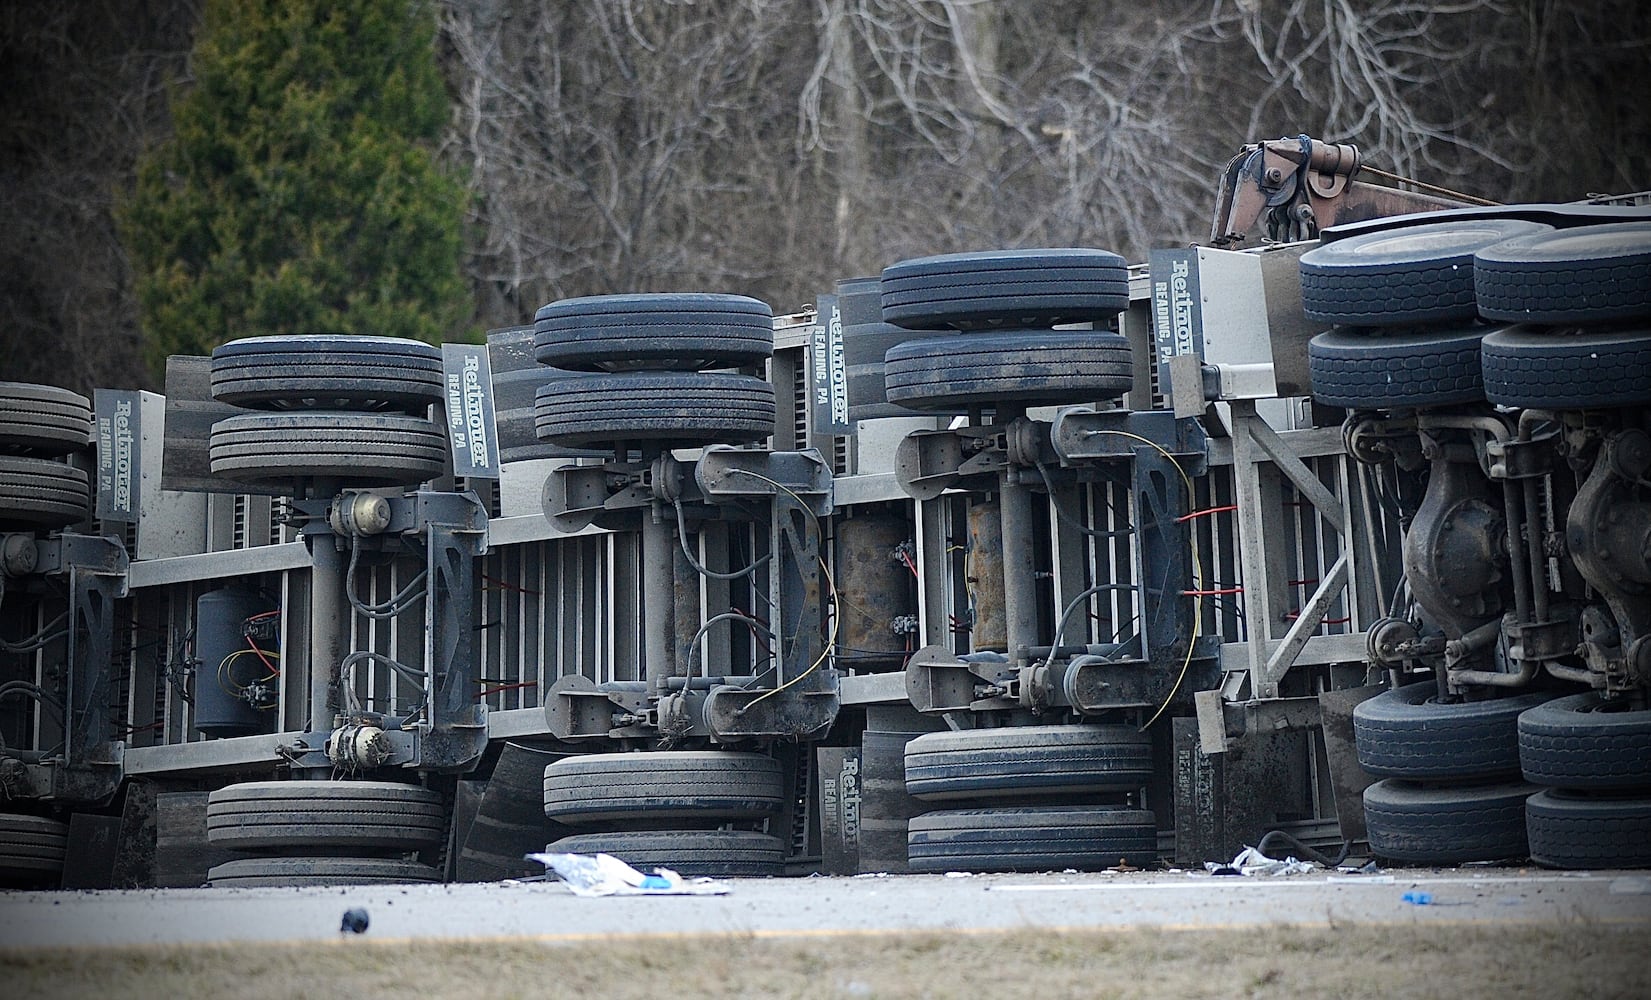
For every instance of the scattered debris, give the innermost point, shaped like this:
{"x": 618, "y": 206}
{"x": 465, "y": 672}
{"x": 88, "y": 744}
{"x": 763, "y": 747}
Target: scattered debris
{"x": 606, "y": 875}
{"x": 1418, "y": 898}
{"x": 1252, "y": 862}
{"x": 354, "y": 922}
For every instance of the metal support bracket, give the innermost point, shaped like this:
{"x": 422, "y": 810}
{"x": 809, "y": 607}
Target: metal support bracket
{"x": 724, "y": 472}
{"x": 1254, "y": 442}
{"x": 454, "y": 733}
{"x": 804, "y": 701}
{"x": 1082, "y": 434}
{"x": 90, "y": 767}
{"x": 608, "y": 496}
{"x": 928, "y": 463}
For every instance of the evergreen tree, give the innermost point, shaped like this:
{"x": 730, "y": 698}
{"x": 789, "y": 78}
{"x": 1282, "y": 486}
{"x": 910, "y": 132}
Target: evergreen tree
{"x": 299, "y": 191}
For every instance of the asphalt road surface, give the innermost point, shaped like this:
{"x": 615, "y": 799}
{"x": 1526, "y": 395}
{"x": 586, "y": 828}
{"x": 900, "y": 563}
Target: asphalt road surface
{"x": 548, "y": 912}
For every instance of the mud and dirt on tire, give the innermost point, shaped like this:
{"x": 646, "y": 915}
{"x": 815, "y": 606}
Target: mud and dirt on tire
{"x": 1399, "y": 369}
{"x": 1025, "y": 367}
{"x": 1432, "y": 825}
{"x": 1590, "y": 274}
{"x": 672, "y": 408}
{"x": 1403, "y": 276}
{"x": 1574, "y": 369}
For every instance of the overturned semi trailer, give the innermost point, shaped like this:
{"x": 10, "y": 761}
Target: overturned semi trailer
{"x": 1010, "y": 560}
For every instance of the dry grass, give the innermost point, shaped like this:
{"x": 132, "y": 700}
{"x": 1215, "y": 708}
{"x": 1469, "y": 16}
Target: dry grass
{"x": 1573, "y": 960}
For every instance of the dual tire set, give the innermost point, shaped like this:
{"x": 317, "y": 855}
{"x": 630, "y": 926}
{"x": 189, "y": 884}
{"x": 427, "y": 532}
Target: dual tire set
{"x": 1592, "y": 761}
{"x": 329, "y": 407}
{"x": 41, "y": 426}
{"x": 1007, "y": 303}
{"x": 1001, "y": 787}
{"x": 640, "y": 371}
{"x": 1451, "y": 789}
{"x": 324, "y": 833}
{"x": 1506, "y": 311}
{"x": 686, "y": 810}
{"x": 1564, "y": 781}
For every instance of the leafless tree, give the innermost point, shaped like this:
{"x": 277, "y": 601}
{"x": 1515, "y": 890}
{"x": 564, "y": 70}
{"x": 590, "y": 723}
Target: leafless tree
{"x": 85, "y": 87}
{"x": 772, "y": 146}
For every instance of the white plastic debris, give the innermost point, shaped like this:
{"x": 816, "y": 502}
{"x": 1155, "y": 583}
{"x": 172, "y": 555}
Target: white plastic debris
{"x": 606, "y": 875}
{"x": 1252, "y": 862}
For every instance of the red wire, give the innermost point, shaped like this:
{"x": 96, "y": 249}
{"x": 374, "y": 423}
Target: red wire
{"x": 260, "y": 653}
{"x": 1322, "y": 621}
{"x": 506, "y": 585}
{"x": 1206, "y": 511}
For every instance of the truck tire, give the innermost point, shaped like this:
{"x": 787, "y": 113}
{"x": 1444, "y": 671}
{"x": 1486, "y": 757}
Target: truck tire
{"x": 43, "y": 419}
{"x": 1404, "y": 276}
{"x": 41, "y": 493}
{"x": 1581, "y": 742}
{"x": 332, "y": 814}
{"x": 866, "y": 341}
{"x": 1401, "y": 369}
{"x": 1590, "y": 274}
{"x": 1570, "y": 830}
{"x": 1581, "y": 370}
{"x": 31, "y": 849}
{"x": 1025, "y": 761}
{"x": 945, "y": 373}
{"x": 655, "y": 788}
{"x": 251, "y": 873}
{"x": 1032, "y": 288}
{"x": 372, "y": 815}
{"x": 327, "y": 371}
{"x": 361, "y": 449}
{"x": 656, "y": 332}
{"x": 686, "y": 852}
{"x": 1406, "y": 733}
{"x": 1429, "y": 825}
{"x": 669, "y": 407}
{"x": 1032, "y": 838}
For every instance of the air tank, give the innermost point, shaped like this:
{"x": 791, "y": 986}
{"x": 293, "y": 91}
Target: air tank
{"x": 874, "y": 588}
{"x": 231, "y": 679}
